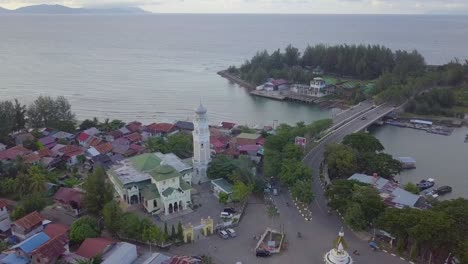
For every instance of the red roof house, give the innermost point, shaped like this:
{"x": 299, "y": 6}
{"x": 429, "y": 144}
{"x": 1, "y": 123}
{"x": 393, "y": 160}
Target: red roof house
{"x": 94, "y": 141}
{"x": 83, "y": 138}
{"x": 12, "y": 153}
{"x": 32, "y": 158}
{"x": 45, "y": 152}
{"x": 104, "y": 148}
{"x": 134, "y": 137}
{"x": 70, "y": 153}
{"x": 134, "y": 126}
{"x": 51, "y": 250}
{"x": 27, "y": 226}
{"x": 158, "y": 129}
{"x": 69, "y": 198}
{"x": 228, "y": 125}
{"x": 92, "y": 247}
{"x": 54, "y": 230}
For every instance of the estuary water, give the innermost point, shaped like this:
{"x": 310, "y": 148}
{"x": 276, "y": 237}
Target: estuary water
{"x": 158, "y": 67}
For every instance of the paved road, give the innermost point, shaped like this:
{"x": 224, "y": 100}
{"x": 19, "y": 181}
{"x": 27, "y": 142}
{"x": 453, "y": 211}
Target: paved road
{"x": 348, "y": 113}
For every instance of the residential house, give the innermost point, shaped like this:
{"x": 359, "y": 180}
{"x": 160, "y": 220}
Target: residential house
{"x": 160, "y": 129}
{"x": 134, "y": 126}
{"x": 13, "y": 152}
{"x": 113, "y": 135}
{"x": 92, "y": 131}
{"x": 48, "y": 142}
{"x": 92, "y": 152}
{"x": 83, "y": 138}
{"x": 25, "y": 248}
{"x": 32, "y": 158}
{"x": 21, "y": 138}
{"x": 27, "y": 226}
{"x": 50, "y": 251}
{"x": 94, "y": 141}
{"x": 121, "y": 252}
{"x": 64, "y": 136}
{"x": 104, "y": 148}
{"x": 228, "y": 125}
{"x": 70, "y": 154}
{"x": 92, "y": 247}
{"x": 182, "y": 260}
{"x": 147, "y": 179}
{"x": 221, "y": 186}
{"x": 248, "y": 139}
{"x": 5, "y": 221}
{"x": 317, "y": 87}
{"x": 134, "y": 137}
{"x": 253, "y": 151}
{"x": 184, "y": 126}
{"x": 219, "y": 143}
{"x": 2, "y": 146}
{"x": 102, "y": 160}
{"x": 54, "y": 230}
{"x": 120, "y": 146}
{"x": 70, "y": 199}
{"x": 391, "y": 193}
{"x": 124, "y": 131}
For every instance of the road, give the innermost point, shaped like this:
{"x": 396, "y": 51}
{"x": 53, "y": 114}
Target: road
{"x": 352, "y": 111}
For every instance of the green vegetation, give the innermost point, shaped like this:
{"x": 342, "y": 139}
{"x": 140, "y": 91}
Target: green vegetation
{"x": 98, "y": 191}
{"x": 301, "y": 191}
{"x": 412, "y": 188}
{"x": 29, "y": 204}
{"x": 360, "y": 152}
{"x": 357, "y": 61}
{"x": 223, "y": 198}
{"x": 179, "y": 144}
{"x": 84, "y": 227}
{"x": 431, "y": 233}
{"x": 112, "y": 213}
{"x": 361, "y": 204}
{"x": 241, "y": 191}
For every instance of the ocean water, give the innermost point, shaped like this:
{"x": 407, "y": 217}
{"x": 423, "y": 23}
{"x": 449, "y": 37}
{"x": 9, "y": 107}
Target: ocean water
{"x": 158, "y": 67}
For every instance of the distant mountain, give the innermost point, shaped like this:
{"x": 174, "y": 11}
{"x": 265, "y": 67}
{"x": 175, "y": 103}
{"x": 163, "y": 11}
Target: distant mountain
{"x": 60, "y": 9}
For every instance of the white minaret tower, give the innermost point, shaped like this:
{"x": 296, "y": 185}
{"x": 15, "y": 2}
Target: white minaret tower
{"x": 338, "y": 254}
{"x": 201, "y": 145}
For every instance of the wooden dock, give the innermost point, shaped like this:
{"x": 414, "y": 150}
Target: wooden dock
{"x": 270, "y": 95}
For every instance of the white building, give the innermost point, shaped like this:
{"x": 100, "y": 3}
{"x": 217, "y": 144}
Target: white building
{"x": 338, "y": 254}
{"x": 201, "y": 145}
{"x": 317, "y": 87}
{"x": 5, "y": 221}
{"x": 150, "y": 180}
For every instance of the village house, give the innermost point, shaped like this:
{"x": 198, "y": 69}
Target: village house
{"x": 32, "y": 158}
{"x": 13, "y": 152}
{"x": 2, "y": 146}
{"x": 134, "y": 126}
{"x": 160, "y": 129}
{"x": 104, "y": 148}
{"x": 64, "y": 136}
{"x": 185, "y": 127}
{"x": 92, "y": 247}
{"x": 147, "y": 179}
{"x": 83, "y": 138}
{"x": 134, "y": 137}
{"x": 70, "y": 199}
{"x": 27, "y": 226}
{"x": 120, "y": 146}
{"x": 390, "y": 192}
{"x": 21, "y": 138}
{"x": 48, "y": 142}
{"x": 221, "y": 186}
{"x": 70, "y": 154}
{"x": 124, "y": 131}
{"x": 50, "y": 251}
{"x": 5, "y": 221}
{"x": 113, "y": 135}
{"x": 248, "y": 139}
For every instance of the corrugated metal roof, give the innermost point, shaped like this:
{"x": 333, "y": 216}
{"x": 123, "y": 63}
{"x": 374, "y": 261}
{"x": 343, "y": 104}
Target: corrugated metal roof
{"x": 33, "y": 242}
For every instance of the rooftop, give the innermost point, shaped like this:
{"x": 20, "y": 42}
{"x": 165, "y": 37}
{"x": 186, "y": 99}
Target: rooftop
{"x": 53, "y": 248}
{"x": 92, "y": 247}
{"x": 33, "y": 242}
{"x": 252, "y": 136}
{"x": 53, "y": 230}
{"x": 150, "y": 192}
{"x": 164, "y": 172}
{"x": 29, "y": 220}
{"x": 223, "y": 184}
{"x": 126, "y": 173}
{"x": 172, "y": 160}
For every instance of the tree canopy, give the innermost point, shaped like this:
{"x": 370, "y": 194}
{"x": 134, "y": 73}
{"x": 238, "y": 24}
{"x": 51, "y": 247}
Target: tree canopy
{"x": 46, "y": 111}
{"x": 84, "y": 227}
{"x": 363, "y": 142}
{"x": 98, "y": 191}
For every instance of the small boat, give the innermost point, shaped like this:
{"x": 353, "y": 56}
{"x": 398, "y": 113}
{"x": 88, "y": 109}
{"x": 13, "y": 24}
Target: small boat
{"x": 443, "y": 190}
{"x": 425, "y": 184}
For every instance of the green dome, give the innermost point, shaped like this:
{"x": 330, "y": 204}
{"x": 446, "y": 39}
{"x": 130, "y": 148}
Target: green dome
{"x": 164, "y": 169}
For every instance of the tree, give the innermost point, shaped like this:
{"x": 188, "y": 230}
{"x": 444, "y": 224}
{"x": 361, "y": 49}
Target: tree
{"x": 98, "y": 191}
{"x": 84, "y": 227}
{"x": 180, "y": 231}
{"x": 363, "y": 142}
{"x": 302, "y": 190}
{"x": 87, "y": 123}
{"x": 130, "y": 226}
{"x": 81, "y": 159}
{"x": 112, "y": 214}
{"x": 291, "y": 55}
{"x": 223, "y": 197}
{"x": 154, "y": 144}
{"x": 381, "y": 163}
{"x": 166, "y": 232}
{"x": 30, "y": 203}
{"x": 412, "y": 188}
{"x": 7, "y": 119}
{"x": 46, "y": 111}
{"x": 220, "y": 167}
{"x": 340, "y": 193}
{"x": 293, "y": 171}
{"x": 341, "y": 161}
{"x": 369, "y": 200}
{"x": 241, "y": 191}
{"x": 180, "y": 144}
{"x": 37, "y": 177}
{"x": 20, "y": 115}
{"x": 292, "y": 151}
{"x": 173, "y": 232}
{"x": 355, "y": 218}
{"x": 152, "y": 234}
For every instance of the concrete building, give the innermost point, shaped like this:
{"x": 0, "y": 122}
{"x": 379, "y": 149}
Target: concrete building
{"x": 317, "y": 87}
{"x": 5, "y": 220}
{"x": 201, "y": 145}
{"x": 221, "y": 186}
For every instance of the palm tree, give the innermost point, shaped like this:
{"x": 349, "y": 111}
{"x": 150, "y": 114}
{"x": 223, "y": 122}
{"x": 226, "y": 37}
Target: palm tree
{"x": 38, "y": 179}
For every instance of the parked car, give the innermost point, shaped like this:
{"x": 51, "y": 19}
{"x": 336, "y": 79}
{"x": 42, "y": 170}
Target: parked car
{"x": 231, "y": 232}
{"x": 229, "y": 210}
{"x": 363, "y": 118}
{"x": 226, "y": 215}
{"x": 223, "y": 234}
{"x": 262, "y": 253}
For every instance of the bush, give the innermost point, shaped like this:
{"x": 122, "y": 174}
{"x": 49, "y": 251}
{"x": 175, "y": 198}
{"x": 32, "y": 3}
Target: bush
{"x": 84, "y": 227}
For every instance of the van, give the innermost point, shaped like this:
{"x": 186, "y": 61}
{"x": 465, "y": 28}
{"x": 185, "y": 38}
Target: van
{"x": 231, "y": 232}
{"x": 223, "y": 234}
{"x": 225, "y": 215}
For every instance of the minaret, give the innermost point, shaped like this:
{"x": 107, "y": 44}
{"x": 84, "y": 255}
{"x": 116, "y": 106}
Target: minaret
{"x": 338, "y": 254}
{"x": 201, "y": 145}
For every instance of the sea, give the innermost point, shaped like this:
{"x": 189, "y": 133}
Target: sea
{"x": 160, "y": 67}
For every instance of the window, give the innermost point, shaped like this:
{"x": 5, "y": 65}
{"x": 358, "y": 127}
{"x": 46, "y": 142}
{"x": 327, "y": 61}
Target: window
{"x": 202, "y": 145}
{"x": 155, "y": 204}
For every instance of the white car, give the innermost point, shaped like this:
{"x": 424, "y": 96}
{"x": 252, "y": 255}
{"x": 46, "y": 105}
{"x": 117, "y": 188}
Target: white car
{"x": 223, "y": 234}
{"x": 225, "y": 215}
{"x": 231, "y": 232}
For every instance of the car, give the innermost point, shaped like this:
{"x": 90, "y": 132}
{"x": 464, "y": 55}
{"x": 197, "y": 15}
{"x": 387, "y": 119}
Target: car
{"x": 223, "y": 234}
{"x": 262, "y": 253}
{"x": 231, "y": 232}
{"x": 230, "y": 210}
{"x": 225, "y": 215}
{"x": 363, "y": 118}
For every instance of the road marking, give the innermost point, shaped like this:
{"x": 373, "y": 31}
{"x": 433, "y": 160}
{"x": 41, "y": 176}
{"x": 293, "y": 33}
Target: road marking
{"x": 402, "y": 259}
{"x": 393, "y": 254}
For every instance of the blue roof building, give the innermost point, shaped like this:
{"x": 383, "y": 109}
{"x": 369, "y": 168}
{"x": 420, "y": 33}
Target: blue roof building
{"x": 30, "y": 244}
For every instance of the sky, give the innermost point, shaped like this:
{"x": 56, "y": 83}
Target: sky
{"x": 270, "y": 6}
